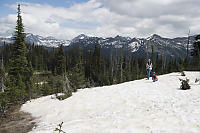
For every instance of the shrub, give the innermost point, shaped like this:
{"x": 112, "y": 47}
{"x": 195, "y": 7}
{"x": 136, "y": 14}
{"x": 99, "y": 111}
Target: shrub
{"x": 197, "y": 80}
{"x": 182, "y": 73}
{"x": 62, "y": 97}
{"x": 3, "y": 103}
{"x": 184, "y": 84}
{"x": 65, "y": 95}
{"x": 59, "y": 128}
{"x": 46, "y": 90}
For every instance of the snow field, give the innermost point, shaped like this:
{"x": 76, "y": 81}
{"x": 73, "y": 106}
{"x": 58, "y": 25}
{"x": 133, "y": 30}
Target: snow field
{"x": 140, "y": 106}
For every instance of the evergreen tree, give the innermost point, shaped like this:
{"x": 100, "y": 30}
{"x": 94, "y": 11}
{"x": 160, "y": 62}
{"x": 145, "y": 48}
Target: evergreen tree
{"x": 111, "y": 70}
{"x": 97, "y": 65}
{"x": 162, "y": 63}
{"x": 186, "y": 63}
{"x": 153, "y": 57}
{"x": 60, "y": 61}
{"x": 2, "y": 76}
{"x": 77, "y": 76}
{"x": 142, "y": 68}
{"x": 180, "y": 64}
{"x": 19, "y": 71}
{"x": 171, "y": 65}
{"x": 158, "y": 67}
{"x": 88, "y": 68}
{"x": 127, "y": 69}
{"x": 134, "y": 68}
{"x": 196, "y": 53}
{"x": 120, "y": 68}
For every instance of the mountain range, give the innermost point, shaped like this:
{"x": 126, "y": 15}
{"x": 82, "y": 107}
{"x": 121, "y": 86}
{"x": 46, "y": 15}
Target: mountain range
{"x": 135, "y": 46}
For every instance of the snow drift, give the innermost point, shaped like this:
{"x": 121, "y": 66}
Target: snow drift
{"x": 140, "y": 106}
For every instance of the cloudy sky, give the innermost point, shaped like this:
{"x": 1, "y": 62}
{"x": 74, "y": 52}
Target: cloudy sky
{"x": 65, "y": 19}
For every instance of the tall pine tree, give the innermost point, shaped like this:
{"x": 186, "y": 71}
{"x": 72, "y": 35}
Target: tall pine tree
{"x": 120, "y": 68}
{"x": 19, "y": 71}
{"x": 60, "y": 61}
{"x": 153, "y": 56}
{"x": 196, "y": 53}
{"x": 77, "y": 76}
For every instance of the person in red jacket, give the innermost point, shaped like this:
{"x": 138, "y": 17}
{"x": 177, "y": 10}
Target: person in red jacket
{"x": 154, "y": 77}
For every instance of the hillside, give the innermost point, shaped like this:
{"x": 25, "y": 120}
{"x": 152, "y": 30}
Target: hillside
{"x": 140, "y": 106}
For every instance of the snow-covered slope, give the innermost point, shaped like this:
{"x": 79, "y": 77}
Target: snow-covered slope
{"x": 140, "y": 106}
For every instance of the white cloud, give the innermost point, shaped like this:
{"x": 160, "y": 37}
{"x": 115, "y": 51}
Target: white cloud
{"x": 169, "y": 18}
{"x": 47, "y": 20}
{"x": 166, "y": 17}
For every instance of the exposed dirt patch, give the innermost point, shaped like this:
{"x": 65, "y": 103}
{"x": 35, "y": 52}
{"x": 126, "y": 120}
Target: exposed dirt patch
{"x": 16, "y": 121}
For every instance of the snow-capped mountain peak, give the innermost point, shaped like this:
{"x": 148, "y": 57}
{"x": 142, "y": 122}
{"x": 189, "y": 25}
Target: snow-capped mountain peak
{"x": 50, "y": 38}
{"x": 136, "y": 46}
{"x": 46, "y": 41}
{"x": 80, "y": 37}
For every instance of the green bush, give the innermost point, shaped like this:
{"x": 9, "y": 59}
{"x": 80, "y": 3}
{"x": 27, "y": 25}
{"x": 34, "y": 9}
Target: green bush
{"x": 197, "y": 80}
{"x": 182, "y": 73}
{"x": 65, "y": 95}
{"x": 184, "y": 84}
{"x": 59, "y": 128}
{"x": 62, "y": 97}
{"x": 4, "y": 102}
{"x": 46, "y": 90}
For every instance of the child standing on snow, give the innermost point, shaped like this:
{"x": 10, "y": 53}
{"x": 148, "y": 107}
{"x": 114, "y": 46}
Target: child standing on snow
{"x": 149, "y": 68}
{"x": 154, "y": 77}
